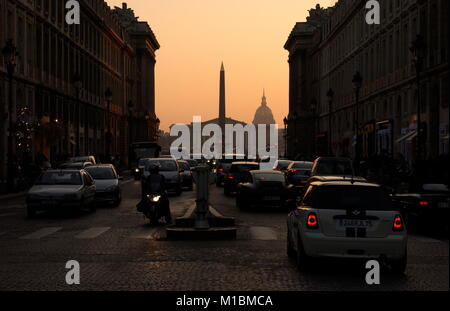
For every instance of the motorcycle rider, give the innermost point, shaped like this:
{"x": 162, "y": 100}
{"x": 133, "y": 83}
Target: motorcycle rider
{"x": 155, "y": 184}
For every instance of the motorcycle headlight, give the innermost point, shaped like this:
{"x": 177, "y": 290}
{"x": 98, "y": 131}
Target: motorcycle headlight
{"x": 156, "y": 198}
{"x": 136, "y": 170}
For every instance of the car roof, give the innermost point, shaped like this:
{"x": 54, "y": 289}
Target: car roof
{"x": 267, "y": 172}
{"x": 326, "y": 178}
{"x": 333, "y": 159}
{"x": 63, "y": 171}
{"x": 344, "y": 183}
{"x": 182, "y": 161}
{"x": 244, "y": 162}
{"x": 100, "y": 165}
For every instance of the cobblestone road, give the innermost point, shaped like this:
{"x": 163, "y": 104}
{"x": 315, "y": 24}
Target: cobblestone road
{"x": 118, "y": 250}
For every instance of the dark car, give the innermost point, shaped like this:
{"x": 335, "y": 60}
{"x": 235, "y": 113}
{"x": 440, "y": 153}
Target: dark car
{"x": 297, "y": 173}
{"x": 223, "y": 166}
{"x": 426, "y": 205}
{"x": 168, "y": 167}
{"x": 282, "y": 165}
{"x": 238, "y": 172}
{"x": 75, "y": 165}
{"x": 192, "y": 163}
{"x": 264, "y": 188}
{"x": 107, "y": 180}
{"x": 186, "y": 175}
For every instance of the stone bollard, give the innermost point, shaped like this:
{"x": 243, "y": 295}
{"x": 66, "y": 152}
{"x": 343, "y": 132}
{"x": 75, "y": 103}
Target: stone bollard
{"x": 202, "y": 179}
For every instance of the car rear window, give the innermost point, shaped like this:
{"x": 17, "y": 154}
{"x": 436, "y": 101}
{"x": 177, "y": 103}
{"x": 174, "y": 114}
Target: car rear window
{"x": 101, "y": 173}
{"x": 282, "y": 164}
{"x": 347, "y": 197}
{"x": 269, "y": 177}
{"x": 164, "y": 165}
{"x": 236, "y": 168}
{"x": 59, "y": 178}
{"x": 302, "y": 166}
{"x": 333, "y": 167}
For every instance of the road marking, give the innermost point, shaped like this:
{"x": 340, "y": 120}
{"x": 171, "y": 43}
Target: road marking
{"x": 424, "y": 239}
{"x": 145, "y": 234}
{"x": 263, "y": 233}
{"x": 92, "y": 233}
{"x": 41, "y": 233}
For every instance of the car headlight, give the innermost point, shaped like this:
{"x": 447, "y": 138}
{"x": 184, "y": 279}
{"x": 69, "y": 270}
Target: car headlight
{"x": 136, "y": 170}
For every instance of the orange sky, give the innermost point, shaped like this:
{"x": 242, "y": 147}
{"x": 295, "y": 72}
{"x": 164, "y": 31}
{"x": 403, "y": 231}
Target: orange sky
{"x": 196, "y": 35}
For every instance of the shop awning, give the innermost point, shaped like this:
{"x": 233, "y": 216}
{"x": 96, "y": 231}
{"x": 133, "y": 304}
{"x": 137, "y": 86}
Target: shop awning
{"x": 408, "y": 137}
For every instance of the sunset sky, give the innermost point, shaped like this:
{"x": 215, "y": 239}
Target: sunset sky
{"x": 197, "y": 35}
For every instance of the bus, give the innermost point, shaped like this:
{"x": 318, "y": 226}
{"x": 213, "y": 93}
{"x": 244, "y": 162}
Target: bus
{"x": 143, "y": 150}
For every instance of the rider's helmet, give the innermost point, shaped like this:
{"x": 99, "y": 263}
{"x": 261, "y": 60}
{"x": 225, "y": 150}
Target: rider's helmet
{"x": 153, "y": 169}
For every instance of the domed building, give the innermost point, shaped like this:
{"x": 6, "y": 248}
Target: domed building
{"x": 263, "y": 114}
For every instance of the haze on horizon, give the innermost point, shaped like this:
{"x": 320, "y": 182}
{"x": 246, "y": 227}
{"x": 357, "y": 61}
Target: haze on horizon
{"x": 197, "y": 35}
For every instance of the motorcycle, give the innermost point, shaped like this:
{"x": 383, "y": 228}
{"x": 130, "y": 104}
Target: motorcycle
{"x": 151, "y": 207}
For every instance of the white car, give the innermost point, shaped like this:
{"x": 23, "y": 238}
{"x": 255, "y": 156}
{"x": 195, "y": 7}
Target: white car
{"x": 61, "y": 189}
{"x": 344, "y": 219}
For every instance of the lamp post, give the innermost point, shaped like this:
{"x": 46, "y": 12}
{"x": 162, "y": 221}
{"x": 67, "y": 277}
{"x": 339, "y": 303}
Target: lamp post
{"x": 295, "y": 143}
{"x": 77, "y": 83}
{"x": 10, "y": 53}
{"x": 130, "y": 131}
{"x": 357, "y": 83}
{"x": 109, "y": 136}
{"x": 330, "y": 96}
{"x": 418, "y": 49}
{"x": 157, "y": 124}
{"x": 285, "y": 121}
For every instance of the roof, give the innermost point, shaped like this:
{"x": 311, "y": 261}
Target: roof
{"x": 344, "y": 183}
{"x": 268, "y": 172}
{"x": 337, "y": 178}
{"x": 245, "y": 162}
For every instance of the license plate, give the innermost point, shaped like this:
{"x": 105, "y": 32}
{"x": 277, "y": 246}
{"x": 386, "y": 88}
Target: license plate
{"x": 354, "y": 223}
{"x": 443, "y": 204}
{"x": 271, "y": 198}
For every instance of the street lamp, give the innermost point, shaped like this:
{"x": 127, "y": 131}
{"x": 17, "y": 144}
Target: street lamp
{"x": 108, "y": 138}
{"x": 330, "y": 96}
{"x": 418, "y": 49}
{"x": 78, "y": 84}
{"x": 10, "y": 53}
{"x": 285, "y": 121}
{"x": 357, "y": 83}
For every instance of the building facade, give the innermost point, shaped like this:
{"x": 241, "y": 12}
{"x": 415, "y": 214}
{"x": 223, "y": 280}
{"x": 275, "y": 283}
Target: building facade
{"x": 333, "y": 44}
{"x": 62, "y": 76}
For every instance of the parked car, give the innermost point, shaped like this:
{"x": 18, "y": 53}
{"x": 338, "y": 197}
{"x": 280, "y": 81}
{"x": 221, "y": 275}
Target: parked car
{"x": 107, "y": 188}
{"x": 192, "y": 163}
{"x": 347, "y": 220}
{"x": 427, "y": 205}
{"x": 75, "y": 166}
{"x": 223, "y": 166}
{"x": 169, "y": 169}
{"x": 238, "y": 172}
{"x": 84, "y": 159}
{"x": 264, "y": 188}
{"x": 61, "y": 189}
{"x": 281, "y": 165}
{"x": 186, "y": 175}
{"x": 298, "y": 173}
{"x": 139, "y": 170}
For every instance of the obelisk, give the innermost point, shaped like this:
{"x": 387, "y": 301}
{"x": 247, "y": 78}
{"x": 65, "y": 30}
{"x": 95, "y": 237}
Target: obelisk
{"x": 222, "y": 96}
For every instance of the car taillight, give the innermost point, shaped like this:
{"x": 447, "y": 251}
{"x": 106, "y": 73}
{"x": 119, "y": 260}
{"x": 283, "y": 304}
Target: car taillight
{"x": 220, "y": 169}
{"x": 230, "y": 177}
{"x": 424, "y": 203}
{"x": 312, "y": 221}
{"x": 398, "y": 224}
{"x": 293, "y": 171}
{"x": 278, "y": 169}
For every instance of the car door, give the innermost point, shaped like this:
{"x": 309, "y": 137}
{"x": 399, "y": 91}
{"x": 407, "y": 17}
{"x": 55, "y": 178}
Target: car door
{"x": 89, "y": 186}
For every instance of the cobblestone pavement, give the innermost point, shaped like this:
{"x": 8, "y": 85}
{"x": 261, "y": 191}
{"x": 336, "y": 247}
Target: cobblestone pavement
{"x": 118, "y": 250}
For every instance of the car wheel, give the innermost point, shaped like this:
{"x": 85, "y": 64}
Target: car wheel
{"x": 303, "y": 261}
{"x": 31, "y": 212}
{"x": 398, "y": 266}
{"x": 289, "y": 247}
